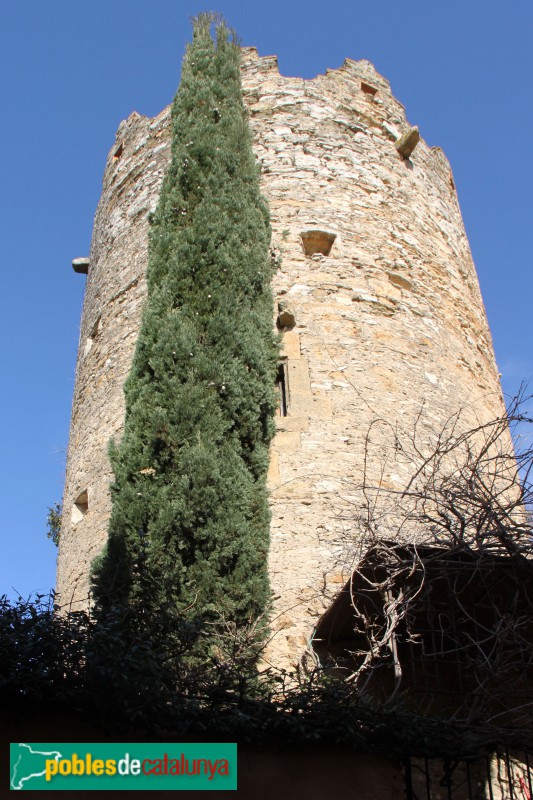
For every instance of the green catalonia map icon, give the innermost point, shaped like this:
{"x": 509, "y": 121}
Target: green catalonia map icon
{"x": 28, "y": 765}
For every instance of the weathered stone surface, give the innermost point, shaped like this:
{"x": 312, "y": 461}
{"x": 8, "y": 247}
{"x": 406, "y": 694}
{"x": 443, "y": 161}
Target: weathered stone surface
{"x": 390, "y": 326}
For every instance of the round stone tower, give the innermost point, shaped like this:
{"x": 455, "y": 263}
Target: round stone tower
{"x": 377, "y": 299}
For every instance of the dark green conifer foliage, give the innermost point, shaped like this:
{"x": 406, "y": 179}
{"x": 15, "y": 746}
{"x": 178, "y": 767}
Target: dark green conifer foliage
{"x": 189, "y": 528}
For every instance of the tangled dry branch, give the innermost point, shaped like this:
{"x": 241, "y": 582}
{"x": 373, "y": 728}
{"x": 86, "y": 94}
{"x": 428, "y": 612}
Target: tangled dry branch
{"x": 437, "y": 616}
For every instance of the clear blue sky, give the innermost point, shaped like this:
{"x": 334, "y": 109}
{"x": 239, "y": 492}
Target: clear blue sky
{"x": 71, "y": 70}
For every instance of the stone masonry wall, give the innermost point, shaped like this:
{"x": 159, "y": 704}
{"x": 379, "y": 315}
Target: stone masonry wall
{"x": 110, "y": 323}
{"x": 385, "y": 330}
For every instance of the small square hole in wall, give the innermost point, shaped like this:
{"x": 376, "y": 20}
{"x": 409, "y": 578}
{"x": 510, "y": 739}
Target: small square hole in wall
{"x": 282, "y": 389}
{"x": 371, "y": 91}
{"x": 80, "y": 507}
{"x": 118, "y": 152}
{"x": 317, "y": 242}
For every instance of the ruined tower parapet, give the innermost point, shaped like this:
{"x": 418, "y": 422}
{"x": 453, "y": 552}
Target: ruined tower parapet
{"x": 379, "y": 306}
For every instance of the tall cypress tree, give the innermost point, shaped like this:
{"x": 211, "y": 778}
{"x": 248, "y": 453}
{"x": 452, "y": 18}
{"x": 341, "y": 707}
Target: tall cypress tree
{"x": 189, "y": 528}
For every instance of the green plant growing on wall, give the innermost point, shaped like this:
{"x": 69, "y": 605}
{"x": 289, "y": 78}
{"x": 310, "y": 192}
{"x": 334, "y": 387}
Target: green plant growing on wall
{"x": 190, "y": 522}
{"x": 53, "y": 522}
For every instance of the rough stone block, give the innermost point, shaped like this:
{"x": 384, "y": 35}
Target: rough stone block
{"x": 286, "y": 318}
{"x": 290, "y": 345}
{"x": 81, "y": 265}
{"x": 407, "y": 143}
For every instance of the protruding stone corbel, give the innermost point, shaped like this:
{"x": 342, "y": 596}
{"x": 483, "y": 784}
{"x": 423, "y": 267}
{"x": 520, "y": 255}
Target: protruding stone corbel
{"x": 407, "y": 143}
{"x": 81, "y": 265}
{"x": 316, "y": 241}
{"x": 286, "y": 316}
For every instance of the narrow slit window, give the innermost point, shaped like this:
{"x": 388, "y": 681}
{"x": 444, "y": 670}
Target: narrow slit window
{"x": 92, "y": 336}
{"x": 80, "y": 507}
{"x": 118, "y": 152}
{"x": 282, "y": 389}
{"x": 96, "y": 327}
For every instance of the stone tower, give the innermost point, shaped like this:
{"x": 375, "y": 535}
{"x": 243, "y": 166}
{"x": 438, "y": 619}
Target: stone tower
{"x": 382, "y": 319}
